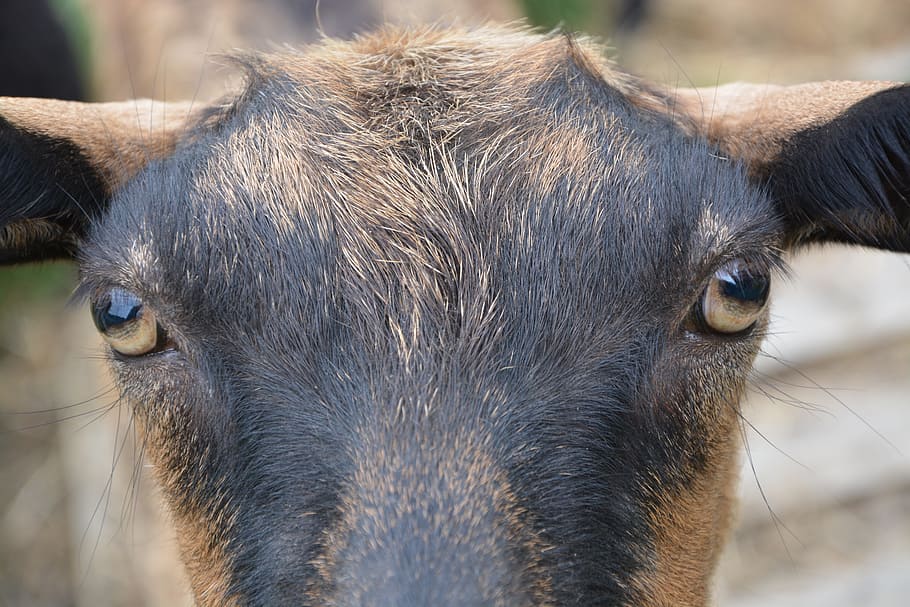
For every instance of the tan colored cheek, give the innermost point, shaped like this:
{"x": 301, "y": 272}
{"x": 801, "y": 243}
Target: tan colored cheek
{"x": 690, "y": 528}
{"x": 206, "y": 563}
{"x": 201, "y": 529}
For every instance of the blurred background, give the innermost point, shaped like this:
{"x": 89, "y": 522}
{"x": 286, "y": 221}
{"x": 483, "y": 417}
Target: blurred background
{"x": 825, "y": 515}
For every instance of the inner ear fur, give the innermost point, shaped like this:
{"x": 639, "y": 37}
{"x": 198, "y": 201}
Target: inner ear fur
{"x": 61, "y": 161}
{"x": 835, "y": 156}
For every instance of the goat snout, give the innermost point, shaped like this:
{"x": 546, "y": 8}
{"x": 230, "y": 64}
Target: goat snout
{"x": 431, "y": 525}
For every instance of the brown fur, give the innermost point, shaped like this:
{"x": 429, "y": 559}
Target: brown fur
{"x": 754, "y": 122}
{"x": 371, "y": 138}
{"x": 30, "y": 232}
{"x": 691, "y": 527}
{"x": 119, "y": 139}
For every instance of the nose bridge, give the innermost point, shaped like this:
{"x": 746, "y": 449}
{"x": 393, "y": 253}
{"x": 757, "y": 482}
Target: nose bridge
{"x": 430, "y": 519}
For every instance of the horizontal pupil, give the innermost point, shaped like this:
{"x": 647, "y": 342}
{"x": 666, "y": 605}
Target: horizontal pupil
{"x": 123, "y": 308}
{"x": 112, "y": 319}
{"x": 744, "y": 287}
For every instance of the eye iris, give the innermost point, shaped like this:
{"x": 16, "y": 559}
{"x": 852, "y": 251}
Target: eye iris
{"x": 735, "y": 298}
{"x": 126, "y": 324}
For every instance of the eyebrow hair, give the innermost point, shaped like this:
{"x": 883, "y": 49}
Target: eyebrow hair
{"x": 753, "y": 241}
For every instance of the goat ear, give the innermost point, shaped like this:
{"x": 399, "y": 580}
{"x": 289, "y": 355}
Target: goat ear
{"x": 60, "y": 163}
{"x": 835, "y": 155}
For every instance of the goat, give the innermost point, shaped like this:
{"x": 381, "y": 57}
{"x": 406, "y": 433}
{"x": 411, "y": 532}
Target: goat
{"x": 447, "y": 316}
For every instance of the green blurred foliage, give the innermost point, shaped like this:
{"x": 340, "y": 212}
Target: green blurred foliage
{"x": 572, "y": 15}
{"x": 31, "y": 283}
{"x": 72, "y": 15}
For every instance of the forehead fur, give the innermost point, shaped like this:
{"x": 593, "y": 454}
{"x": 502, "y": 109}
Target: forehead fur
{"x": 412, "y": 172}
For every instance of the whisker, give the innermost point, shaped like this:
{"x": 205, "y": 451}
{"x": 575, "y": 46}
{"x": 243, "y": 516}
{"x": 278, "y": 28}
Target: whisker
{"x": 101, "y": 413}
{"x": 63, "y": 419}
{"x": 104, "y": 500}
{"x": 131, "y": 499}
{"x": 75, "y": 202}
{"x": 766, "y": 384}
{"x": 110, "y": 389}
{"x": 837, "y": 399}
{"x": 771, "y": 443}
{"x": 779, "y": 524}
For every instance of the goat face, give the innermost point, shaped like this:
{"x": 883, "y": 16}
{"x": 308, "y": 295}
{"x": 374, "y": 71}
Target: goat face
{"x": 447, "y": 317}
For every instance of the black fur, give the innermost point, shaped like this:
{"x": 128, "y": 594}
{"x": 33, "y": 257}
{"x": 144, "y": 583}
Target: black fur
{"x": 848, "y": 180}
{"x": 45, "y": 180}
{"x": 432, "y": 315}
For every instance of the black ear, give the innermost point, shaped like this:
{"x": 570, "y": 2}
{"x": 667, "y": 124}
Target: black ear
{"x": 835, "y": 155}
{"x": 61, "y": 161}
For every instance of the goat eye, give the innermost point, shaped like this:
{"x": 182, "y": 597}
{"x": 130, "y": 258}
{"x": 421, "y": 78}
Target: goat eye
{"x": 127, "y": 325}
{"x": 735, "y": 297}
